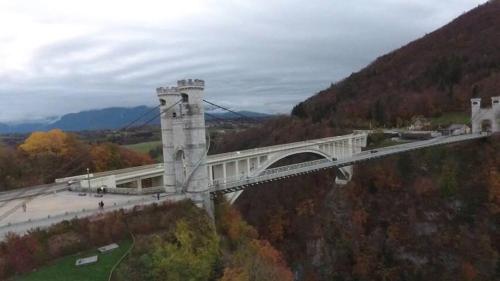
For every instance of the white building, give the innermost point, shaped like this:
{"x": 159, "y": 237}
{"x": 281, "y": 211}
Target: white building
{"x": 456, "y": 129}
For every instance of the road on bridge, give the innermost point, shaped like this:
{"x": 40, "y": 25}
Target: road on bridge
{"x": 31, "y": 191}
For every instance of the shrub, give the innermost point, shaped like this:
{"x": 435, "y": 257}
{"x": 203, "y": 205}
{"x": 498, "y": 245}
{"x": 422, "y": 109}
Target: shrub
{"x": 21, "y": 252}
{"x": 64, "y": 244}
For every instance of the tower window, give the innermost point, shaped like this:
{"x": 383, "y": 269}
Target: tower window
{"x": 185, "y": 98}
{"x": 474, "y": 103}
{"x": 163, "y": 102}
{"x": 174, "y": 114}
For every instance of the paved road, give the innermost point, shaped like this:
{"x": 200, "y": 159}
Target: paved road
{"x": 31, "y": 191}
{"x": 48, "y": 214}
{"x": 11, "y": 201}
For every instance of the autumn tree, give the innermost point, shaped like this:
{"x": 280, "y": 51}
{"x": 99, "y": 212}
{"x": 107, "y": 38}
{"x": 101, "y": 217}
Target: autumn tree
{"x": 469, "y": 273}
{"x": 231, "y": 224}
{"x": 192, "y": 256}
{"x": 51, "y": 142}
{"x": 494, "y": 189}
{"x": 12, "y": 173}
{"x": 22, "y": 252}
{"x": 257, "y": 261}
{"x": 278, "y": 223}
{"x": 109, "y": 156}
{"x": 248, "y": 259}
{"x": 54, "y": 154}
{"x": 448, "y": 181}
{"x": 235, "y": 274}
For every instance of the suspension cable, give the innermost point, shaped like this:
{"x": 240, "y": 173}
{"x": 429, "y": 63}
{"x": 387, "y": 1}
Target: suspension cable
{"x": 232, "y": 111}
{"x": 123, "y": 128}
{"x": 219, "y": 119}
{"x": 159, "y": 114}
{"x": 139, "y": 118}
{"x": 74, "y": 160}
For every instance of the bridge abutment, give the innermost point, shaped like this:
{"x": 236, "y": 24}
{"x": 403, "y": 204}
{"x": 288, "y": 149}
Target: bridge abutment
{"x": 344, "y": 175}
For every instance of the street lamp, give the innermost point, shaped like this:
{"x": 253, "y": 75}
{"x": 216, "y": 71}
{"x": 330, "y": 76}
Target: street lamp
{"x": 88, "y": 178}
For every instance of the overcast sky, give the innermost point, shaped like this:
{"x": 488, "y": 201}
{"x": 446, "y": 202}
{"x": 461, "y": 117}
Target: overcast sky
{"x": 60, "y": 56}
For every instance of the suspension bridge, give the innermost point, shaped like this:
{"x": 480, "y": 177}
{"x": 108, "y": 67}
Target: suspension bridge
{"x": 189, "y": 172}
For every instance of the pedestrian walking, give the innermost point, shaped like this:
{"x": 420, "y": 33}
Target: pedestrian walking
{"x": 158, "y": 196}
{"x": 24, "y": 207}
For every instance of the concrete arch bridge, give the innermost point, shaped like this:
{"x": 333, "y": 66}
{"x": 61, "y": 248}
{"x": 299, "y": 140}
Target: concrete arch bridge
{"x": 231, "y": 172}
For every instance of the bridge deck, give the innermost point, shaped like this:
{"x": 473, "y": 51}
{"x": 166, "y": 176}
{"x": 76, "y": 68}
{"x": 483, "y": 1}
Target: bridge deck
{"x": 235, "y": 184}
{"x": 157, "y": 169}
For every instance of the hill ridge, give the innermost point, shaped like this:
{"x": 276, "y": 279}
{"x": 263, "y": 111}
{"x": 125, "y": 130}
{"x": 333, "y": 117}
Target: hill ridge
{"x": 105, "y": 118}
{"x": 437, "y": 73}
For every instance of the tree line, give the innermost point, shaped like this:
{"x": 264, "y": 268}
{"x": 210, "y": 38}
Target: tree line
{"x": 45, "y": 156}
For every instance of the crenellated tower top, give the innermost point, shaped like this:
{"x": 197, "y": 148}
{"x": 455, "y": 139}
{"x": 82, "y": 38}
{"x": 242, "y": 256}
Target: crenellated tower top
{"x": 182, "y": 85}
{"x": 167, "y": 90}
{"x": 191, "y": 84}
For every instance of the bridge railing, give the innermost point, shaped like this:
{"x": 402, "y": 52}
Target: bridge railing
{"x": 292, "y": 167}
{"x": 121, "y": 190}
{"x": 266, "y": 174}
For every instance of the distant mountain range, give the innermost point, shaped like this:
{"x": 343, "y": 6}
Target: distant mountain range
{"x": 109, "y": 118}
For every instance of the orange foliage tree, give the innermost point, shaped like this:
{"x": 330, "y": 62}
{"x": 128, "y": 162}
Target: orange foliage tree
{"x": 278, "y": 223}
{"x": 109, "y": 156}
{"x": 53, "y": 142}
{"x": 250, "y": 259}
{"x": 469, "y": 273}
{"x": 53, "y": 154}
{"x": 494, "y": 189}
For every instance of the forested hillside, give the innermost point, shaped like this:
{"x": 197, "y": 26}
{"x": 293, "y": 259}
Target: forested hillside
{"x": 427, "y": 215}
{"x": 436, "y": 74}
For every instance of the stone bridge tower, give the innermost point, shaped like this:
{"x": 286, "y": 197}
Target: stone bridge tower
{"x": 183, "y": 137}
{"x": 485, "y": 119}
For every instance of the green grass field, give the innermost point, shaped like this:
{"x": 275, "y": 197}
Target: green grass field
{"x": 143, "y": 147}
{"x": 450, "y": 118}
{"x": 64, "y": 269}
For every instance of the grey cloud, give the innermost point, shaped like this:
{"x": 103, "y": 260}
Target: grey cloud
{"x": 264, "y": 56}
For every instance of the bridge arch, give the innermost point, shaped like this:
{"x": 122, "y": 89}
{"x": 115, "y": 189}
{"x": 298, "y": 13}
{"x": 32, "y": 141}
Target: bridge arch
{"x": 486, "y": 125}
{"x": 273, "y": 159}
{"x": 232, "y": 197}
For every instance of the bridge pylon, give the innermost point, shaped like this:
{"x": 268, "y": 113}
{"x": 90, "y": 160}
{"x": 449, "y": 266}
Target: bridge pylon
{"x": 485, "y": 119}
{"x": 183, "y": 137}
